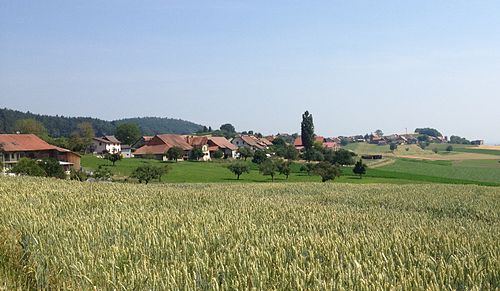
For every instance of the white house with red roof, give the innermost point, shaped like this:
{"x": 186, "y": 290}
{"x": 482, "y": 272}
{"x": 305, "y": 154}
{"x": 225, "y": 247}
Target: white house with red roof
{"x": 106, "y": 144}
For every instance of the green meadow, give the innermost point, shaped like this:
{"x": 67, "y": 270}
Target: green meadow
{"x": 394, "y": 171}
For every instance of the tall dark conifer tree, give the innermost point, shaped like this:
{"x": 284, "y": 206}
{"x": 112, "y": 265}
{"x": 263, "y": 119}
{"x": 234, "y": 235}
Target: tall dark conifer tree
{"x": 307, "y": 131}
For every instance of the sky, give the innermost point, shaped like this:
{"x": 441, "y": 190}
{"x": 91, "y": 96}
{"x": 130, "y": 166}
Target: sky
{"x": 357, "y": 66}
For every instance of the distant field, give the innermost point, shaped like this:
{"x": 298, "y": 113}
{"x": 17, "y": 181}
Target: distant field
{"x": 470, "y": 149}
{"x": 460, "y": 152}
{"x": 467, "y": 171}
{"x": 58, "y": 234}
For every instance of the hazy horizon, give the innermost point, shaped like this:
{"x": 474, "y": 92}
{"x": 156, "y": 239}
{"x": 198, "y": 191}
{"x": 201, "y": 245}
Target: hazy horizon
{"x": 357, "y": 66}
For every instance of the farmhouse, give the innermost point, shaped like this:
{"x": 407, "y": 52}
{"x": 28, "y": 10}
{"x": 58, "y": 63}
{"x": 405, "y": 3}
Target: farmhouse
{"x": 211, "y": 144}
{"x": 252, "y": 142}
{"x": 16, "y": 146}
{"x": 106, "y": 144}
{"x": 326, "y": 143}
{"x": 158, "y": 146}
{"x": 477, "y": 142}
{"x": 126, "y": 151}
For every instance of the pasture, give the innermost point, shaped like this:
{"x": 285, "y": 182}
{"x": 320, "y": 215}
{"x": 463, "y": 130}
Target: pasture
{"x": 69, "y": 235}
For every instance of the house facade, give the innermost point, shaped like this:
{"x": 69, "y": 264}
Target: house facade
{"x": 17, "y": 146}
{"x": 126, "y": 151}
{"x": 158, "y": 146}
{"x": 106, "y": 144}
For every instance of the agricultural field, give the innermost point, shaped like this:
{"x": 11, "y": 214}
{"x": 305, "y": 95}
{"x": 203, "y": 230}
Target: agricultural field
{"x": 70, "y": 235}
{"x": 460, "y": 152}
{"x": 389, "y": 171}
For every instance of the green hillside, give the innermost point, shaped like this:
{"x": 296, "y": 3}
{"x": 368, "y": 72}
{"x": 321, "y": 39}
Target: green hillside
{"x": 64, "y": 126}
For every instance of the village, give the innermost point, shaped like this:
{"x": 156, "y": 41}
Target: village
{"x": 16, "y": 146}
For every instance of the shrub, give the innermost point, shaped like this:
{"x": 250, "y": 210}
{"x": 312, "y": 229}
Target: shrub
{"x": 52, "y": 168}
{"x": 28, "y": 167}
{"x": 218, "y": 154}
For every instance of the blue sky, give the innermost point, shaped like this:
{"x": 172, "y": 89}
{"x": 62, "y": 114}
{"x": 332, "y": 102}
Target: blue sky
{"x": 356, "y": 65}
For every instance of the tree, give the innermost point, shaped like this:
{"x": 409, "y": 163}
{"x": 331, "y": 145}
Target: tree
{"x": 341, "y": 157}
{"x": 435, "y": 150}
{"x": 259, "y": 157}
{"x": 313, "y": 155}
{"x": 284, "y": 168}
{"x": 458, "y": 140}
{"x": 245, "y": 153}
{"x": 52, "y": 168}
{"x": 290, "y": 153}
{"x": 128, "y": 133}
{"x": 307, "y": 130}
{"x": 428, "y": 131}
{"x": 393, "y": 146}
{"x": 308, "y": 168}
{"x": 279, "y": 141}
{"x": 175, "y": 153}
{"x": 228, "y": 128}
{"x": 86, "y": 132}
{"x": 196, "y": 154}
{"x": 326, "y": 171}
{"x": 32, "y": 126}
{"x": 113, "y": 157}
{"x": 28, "y": 167}
{"x": 269, "y": 167}
{"x": 449, "y": 148}
{"x": 146, "y": 173}
{"x": 344, "y": 142}
{"x": 218, "y": 154}
{"x": 359, "y": 168}
{"x": 238, "y": 168}
{"x": 379, "y": 132}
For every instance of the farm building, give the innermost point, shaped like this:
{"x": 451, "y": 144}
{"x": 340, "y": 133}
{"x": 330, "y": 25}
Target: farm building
{"x": 106, "y": 144}
{"x": 252, "y": 142}
{"x": 211, "y": 144}
{"x": 477, "y": 142}
{"x": 158, "y": 146}
{"x": 17, "y": 146}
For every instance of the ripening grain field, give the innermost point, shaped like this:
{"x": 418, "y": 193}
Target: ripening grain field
{"x": 69, "y": 235}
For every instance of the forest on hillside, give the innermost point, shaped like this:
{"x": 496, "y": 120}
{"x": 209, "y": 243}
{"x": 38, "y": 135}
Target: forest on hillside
{"x": 62, "y": 126}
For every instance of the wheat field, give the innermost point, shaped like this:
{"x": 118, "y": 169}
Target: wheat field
{"x": 69, "y": 235}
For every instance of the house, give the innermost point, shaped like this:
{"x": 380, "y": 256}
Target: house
{"x": 211, "y": 144}
{"x": 317, "y": 139}
{"x": 16, "y": 146}
{"x": 378, "y": 140}
{"x": 106, "y": 144}
{"x": 252, "y": 142}
{"x": 477, "y": 142}
{"x": 126, "y": 151}
{"x": 158, "y": 146}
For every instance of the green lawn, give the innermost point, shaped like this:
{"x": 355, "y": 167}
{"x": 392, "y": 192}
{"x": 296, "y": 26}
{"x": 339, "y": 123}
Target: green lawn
{"x": 402, "y": 171}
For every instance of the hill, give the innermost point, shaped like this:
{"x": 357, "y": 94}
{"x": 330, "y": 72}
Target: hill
{"x": 58, "y": 126}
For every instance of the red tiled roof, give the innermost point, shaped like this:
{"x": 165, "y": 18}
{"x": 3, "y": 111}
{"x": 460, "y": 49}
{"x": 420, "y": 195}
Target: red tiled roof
{"x": 222, "y": 142}
{"x": 298, "y": 141}
{"x": 26, "y": 143}
{"x": 108, "y": 139}
{"x": 161, "y": 143}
